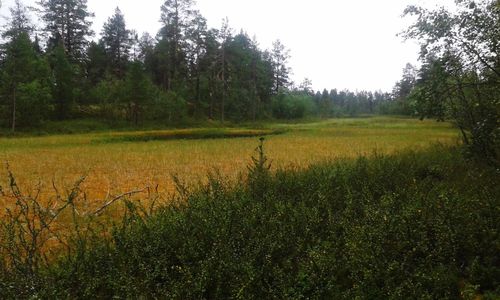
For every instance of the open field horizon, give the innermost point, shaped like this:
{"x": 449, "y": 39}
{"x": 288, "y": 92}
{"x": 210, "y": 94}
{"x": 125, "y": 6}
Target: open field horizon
{"x": 113, "y": 164}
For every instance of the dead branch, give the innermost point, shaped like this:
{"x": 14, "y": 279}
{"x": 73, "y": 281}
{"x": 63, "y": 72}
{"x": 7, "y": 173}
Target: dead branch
{"x": 119, "y": 197}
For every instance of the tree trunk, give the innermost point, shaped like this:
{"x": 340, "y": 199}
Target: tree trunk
{"x": 136, "y": 114}
{"x": 464, "y": 135}
{"x": 198, "y": 93}
{"x": 223, "y": 83}
{"x": 14, "y": 110}
{"x": 254, "y": 90}
{"x": 212, "y": 85}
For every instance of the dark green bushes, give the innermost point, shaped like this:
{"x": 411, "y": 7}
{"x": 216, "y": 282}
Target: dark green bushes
{"x": 405, "y": 226}
{"x": 292, "y": 106}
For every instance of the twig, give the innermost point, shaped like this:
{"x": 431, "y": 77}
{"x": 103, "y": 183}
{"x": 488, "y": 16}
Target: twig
{"x": 110, "y": 202}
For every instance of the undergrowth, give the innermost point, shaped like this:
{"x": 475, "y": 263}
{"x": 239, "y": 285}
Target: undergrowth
{"x": 187, "y": 134}
{"x": 405, "y": 226}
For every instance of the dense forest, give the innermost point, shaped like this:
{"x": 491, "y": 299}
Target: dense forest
{"x": 56, "y": 70}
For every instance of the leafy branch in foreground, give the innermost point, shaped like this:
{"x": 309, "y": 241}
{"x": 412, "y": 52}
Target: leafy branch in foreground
{"x": 460, "y": 76}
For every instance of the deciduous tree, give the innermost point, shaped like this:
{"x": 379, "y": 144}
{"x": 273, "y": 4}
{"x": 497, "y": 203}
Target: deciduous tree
{"x": 461, "y": 73}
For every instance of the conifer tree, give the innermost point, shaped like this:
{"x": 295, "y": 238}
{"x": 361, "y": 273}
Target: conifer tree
{"x": 24, "y": 77}
{"x": 64, "y": 77}
{"x": 67, "y": 21}
{"x": 224, "y": 38}
{"x": 96, "y": 63}
{"x": 176, "y": 18}
{"x": 18, "y": 65}
{"x": 138, "y": 91}
{"x": 279, "y": 57}
{"x": 196, "y": 35}
{"x": 117, "y": 43}
{"x": 19, "y": 22}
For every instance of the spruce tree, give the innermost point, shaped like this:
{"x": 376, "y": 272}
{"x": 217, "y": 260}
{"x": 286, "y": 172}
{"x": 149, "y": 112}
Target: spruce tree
{"x": 138, "y": 91}
{"x": 96, "y": 63}
{"x": 19, "y": 61}
{"x": 24, "y": 83}
{"x": 24, "y": 76}
{"x": 64, "y": 77}
{"x": 117, "y": 43}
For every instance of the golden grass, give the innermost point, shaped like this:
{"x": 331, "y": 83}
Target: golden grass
{"x": 121, "y": 166}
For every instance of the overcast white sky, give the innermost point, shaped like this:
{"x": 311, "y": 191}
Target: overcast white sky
{"x": 335, "y": 43}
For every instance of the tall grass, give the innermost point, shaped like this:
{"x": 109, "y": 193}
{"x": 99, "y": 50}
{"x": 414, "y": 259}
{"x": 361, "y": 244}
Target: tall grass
{"x": 406, "y": 226}
{"x": 129, "y": 163}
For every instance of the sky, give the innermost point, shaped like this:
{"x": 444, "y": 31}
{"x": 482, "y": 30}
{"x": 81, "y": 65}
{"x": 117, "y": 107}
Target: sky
{"x": 343, "y": 44}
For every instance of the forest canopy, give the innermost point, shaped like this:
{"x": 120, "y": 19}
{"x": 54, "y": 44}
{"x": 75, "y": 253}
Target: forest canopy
{"x": 186, "y": 71}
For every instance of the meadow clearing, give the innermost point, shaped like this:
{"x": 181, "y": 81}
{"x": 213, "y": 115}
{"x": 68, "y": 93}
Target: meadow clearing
{"x": 116, "y": 162}
{"x": 416, "y": 224}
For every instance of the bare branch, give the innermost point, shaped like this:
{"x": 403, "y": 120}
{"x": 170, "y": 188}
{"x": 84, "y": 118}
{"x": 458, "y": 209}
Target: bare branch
{"x": 119, "y": 197}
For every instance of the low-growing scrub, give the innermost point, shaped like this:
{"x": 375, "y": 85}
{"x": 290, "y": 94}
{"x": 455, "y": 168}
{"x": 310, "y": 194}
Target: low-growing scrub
{"x": 201, "y": 133}
{"x": 406, "y": 226}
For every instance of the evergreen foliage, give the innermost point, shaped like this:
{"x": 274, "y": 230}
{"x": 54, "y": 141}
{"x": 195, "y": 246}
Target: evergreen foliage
{"x": 191, "y": 72}
{"x": 117, "y": 42}
{"x": 67, "y": 22}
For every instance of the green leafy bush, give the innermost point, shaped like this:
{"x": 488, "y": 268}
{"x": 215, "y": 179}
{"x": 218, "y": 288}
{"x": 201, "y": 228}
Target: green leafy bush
{"x": 407, "y": 226}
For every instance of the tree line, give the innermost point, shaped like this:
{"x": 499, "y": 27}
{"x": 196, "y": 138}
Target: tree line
{"x": 187, "y": 71}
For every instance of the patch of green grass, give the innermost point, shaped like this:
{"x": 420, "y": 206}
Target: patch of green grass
{"x": 186, "y": 134}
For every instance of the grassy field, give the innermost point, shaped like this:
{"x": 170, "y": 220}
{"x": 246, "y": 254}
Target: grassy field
{"x": 418, "y": 224}
{"x": 115, "y": 162}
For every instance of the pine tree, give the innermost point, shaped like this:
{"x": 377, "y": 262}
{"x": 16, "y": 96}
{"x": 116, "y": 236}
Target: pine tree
{"x": 209, "y": 67}
{"x": 146, "y": 53}
{"x": 176, "y": 17}
{"x": 67, "y": 21}
{"x": 224, "y": 38}
{"x": 19, "y": 22}
{"x": 117, "y": 43}
{"x": 196, "y": 48}
{"x": 279, "y": 57}
{"x": 146, "y": 48}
